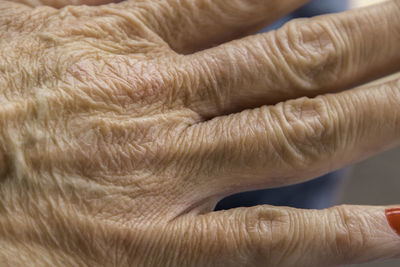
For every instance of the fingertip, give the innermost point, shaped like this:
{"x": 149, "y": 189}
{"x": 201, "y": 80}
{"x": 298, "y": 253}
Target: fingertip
{"x": 393, "y": 217}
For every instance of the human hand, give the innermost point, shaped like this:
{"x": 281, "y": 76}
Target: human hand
{"x": 121, "y": 126}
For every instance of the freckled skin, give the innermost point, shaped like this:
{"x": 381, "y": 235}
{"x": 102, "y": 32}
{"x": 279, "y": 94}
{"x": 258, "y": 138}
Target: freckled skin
{"x": 119, "y": 132}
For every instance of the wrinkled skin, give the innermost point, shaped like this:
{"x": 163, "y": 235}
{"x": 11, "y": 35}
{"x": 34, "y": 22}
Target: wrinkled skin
{"x": 121, "y": 126}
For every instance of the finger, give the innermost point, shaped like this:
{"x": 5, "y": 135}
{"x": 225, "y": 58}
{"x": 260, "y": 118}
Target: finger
{"x": 292, "y": 141}
{"x": 62, "y": 3}
{"x": 277, "y": 236}
{"x": 189, "y": 26}
{"x": 304, "y": 58}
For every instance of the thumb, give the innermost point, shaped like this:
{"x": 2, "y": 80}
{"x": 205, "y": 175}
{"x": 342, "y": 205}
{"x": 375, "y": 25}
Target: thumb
{"x": 275, "y": 236}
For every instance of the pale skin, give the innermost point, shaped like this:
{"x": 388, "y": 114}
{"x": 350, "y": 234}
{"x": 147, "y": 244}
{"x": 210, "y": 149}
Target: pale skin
{"x": 122, "y": 125}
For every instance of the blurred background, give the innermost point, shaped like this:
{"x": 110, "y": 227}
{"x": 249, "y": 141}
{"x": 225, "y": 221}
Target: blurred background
{"x": 375, "y": 181}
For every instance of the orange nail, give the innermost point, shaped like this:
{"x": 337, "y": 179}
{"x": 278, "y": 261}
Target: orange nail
{"x": 393, "y": 216}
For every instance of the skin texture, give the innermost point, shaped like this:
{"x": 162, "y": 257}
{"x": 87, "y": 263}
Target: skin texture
{"x": 121, "y": 126}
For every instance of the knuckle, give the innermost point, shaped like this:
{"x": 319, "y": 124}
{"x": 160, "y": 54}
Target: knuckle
{"x": 125, "y": 83}
{"x": 311, "y": 52}
{"x": 349, "y": 236}
{"x": 13, "y": 16}
{"x": 388, "y": 96}
{"x": 269, "y": 231}
{"x": 307, "y": 129}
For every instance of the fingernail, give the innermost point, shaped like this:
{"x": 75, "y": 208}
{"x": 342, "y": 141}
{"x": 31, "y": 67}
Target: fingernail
{"x": 393, "y": 216}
